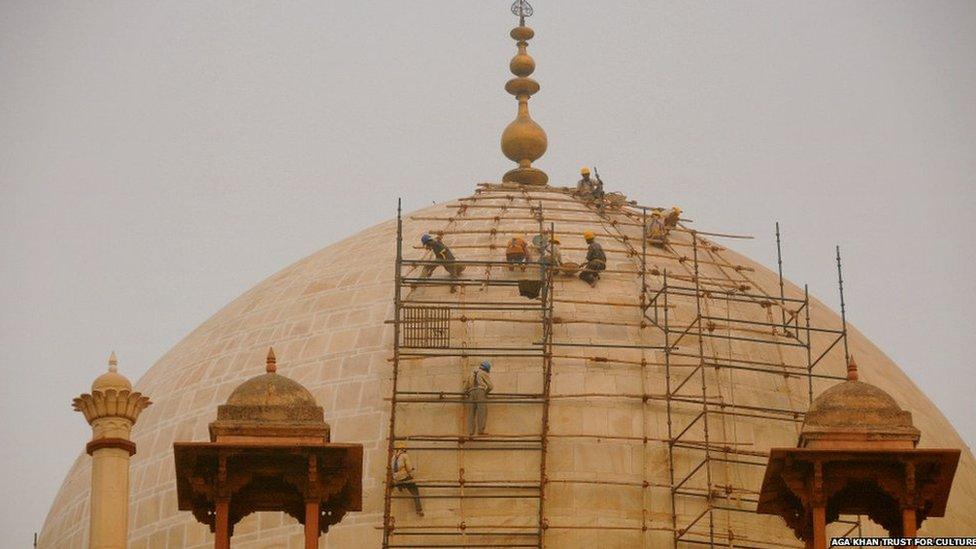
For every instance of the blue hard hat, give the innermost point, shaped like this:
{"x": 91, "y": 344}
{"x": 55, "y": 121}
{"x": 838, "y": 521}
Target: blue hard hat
{"x": 486, "y": 366}
{"x": 425, "y": 239}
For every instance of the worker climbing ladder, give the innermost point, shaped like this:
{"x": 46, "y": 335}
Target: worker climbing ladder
{"x": 433, "y": 331}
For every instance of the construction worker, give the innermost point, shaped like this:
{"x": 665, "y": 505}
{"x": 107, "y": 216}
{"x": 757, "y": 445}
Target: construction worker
{"x": 443, "y": 256}
{"x": 656, "y": 231}
{"x": 671, "y": 221}
{"x": 585, "y": 186}
{"x": 553, "y": 257}
{"x": 477, "y": 385}
{"x": 517, "y": 252}
{"x": 596, "y": 260}
{"x": 403, "y": 474}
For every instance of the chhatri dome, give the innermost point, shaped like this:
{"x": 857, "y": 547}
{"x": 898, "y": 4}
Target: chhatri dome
{"x": 855, "y": 413}
{"x": 637, "y": 413}
{"x": 112, "y": 379}
{"x": 267, "y": 403}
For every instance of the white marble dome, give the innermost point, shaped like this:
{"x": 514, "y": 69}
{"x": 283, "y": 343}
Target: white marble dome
{"x": 326, "y": 317}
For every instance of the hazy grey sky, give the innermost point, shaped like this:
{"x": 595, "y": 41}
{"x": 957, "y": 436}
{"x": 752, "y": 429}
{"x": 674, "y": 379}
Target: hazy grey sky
{"x": 157, "y": 159}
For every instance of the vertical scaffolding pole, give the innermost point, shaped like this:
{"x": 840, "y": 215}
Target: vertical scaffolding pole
{"x": 779, "y": 263}
{"x": 667, "y": 395}
{"x": 387, "y": 498}
{"x": 843, "y": 309}
{"x": 643, "y": 292}
{"x": 545, "y": 295}
{"x": 704, "y": 390}
{"x": 806, "y": 311}
{"x": 643, "y": 323}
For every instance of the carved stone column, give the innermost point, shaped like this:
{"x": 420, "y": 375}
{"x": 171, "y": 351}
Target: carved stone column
{"x": 111, "y": 409}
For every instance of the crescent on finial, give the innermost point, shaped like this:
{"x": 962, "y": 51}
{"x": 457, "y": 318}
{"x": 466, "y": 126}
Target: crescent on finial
{"x": 522, "y": 9}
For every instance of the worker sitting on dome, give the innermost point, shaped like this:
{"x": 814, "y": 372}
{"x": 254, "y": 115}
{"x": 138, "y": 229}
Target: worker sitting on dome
{"x": 403, "y": 474}
{"x": 671, "y": 221}
{"x": 443, "y": 257}
{"x": 585, "y": 186}
{"x": 656, "y": 231}
{"x": 517, "y": 252}
{"x": 477, "y": 385}
{"x": 596, "y": 260}
{"x": 659, "y": 225}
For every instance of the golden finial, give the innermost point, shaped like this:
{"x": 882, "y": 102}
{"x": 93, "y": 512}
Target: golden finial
{"x": 272, "y": 363}
{"x": 851, "y": 369}
{"x": 523, "y": 140}
{"x": 113, "y": 363}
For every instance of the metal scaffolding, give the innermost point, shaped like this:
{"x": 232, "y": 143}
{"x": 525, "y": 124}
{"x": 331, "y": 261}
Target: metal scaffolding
{"x": 422, "y": 330}
{"x": 687, "y": 390}
{"x": 704, "y": 455}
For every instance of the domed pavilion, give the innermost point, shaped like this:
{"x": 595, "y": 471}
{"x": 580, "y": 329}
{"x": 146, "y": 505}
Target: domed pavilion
{"x": 857, "y": 455}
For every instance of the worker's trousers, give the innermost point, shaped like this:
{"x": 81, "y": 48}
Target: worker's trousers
{"x": 591, "y": 271}
{"x": 477, "y": 410}
{"x": 452, "y": 268}
{"x": 411, "y": 486}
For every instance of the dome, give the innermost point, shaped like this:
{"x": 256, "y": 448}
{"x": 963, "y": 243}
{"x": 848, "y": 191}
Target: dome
{"x": 270, "y": 397}
{"x": 857, "y": 411}
{"x": 607, "y": 462}
{"x": 271, "y": 390}
{"x": 270, "y": 405}
{"x": 111, "y": 379}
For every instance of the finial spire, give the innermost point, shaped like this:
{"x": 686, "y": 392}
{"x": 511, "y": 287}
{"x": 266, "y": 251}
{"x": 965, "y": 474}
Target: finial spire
{"x": 851, "y": 369}
{"x": 523, "y": 140}
{"x": 113, "y": 362}
{"x": 272, "y": 362}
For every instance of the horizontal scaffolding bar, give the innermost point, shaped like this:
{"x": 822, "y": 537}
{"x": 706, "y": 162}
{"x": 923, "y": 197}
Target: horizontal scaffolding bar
{"x": 604, "y": 345}
{"x": 471, "y": 306}
{"x": 461, "y": 400}
{"x": 477, "y": 486}
{"x": 410, "y": 281}
{"x": 534, "y": 347}
{"x": 468, "y": 533}
{"x": 469, "y": 496}
{"x": 471, "y": 438}
{"x": 462, "y": 447}
{"x": 769, "y": 409}
{"x": 693, "y": 291}
{"x": 430, "y": 546}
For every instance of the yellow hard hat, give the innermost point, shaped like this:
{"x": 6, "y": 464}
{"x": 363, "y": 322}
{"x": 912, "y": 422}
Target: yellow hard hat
{"x": 584, "y": 171}
{"x": 556, "y": 241}
{"x": 588, "y": 235}
{"x": 676, "y": 210}
{"x": 400, "y": 445}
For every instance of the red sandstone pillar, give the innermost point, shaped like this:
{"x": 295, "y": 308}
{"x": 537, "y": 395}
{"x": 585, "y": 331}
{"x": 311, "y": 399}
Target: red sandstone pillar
{"x": 311, "y": 525}
{"x": 819, "y": 527}
{"x": 222, "y": 525}
{"x": 908, "y": 522}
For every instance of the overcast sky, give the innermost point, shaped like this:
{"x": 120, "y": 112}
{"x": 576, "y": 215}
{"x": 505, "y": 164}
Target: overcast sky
{"x": 157, "y": 159}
